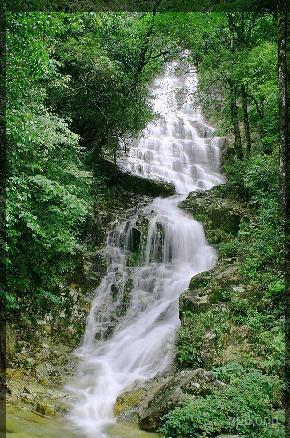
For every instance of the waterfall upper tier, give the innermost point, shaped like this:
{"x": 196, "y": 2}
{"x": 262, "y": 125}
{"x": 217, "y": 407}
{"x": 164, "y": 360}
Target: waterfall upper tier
{"x": 178, "y": 147}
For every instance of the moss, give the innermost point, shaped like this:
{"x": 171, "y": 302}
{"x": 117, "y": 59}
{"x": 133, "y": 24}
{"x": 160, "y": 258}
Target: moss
{"x": 135, "y": 184}
{"x": 26, "y": 424}
{"x": 123, "y": 306}
{"x": 128, "y": 400}
{"x": 220, "y": 215}
{"x": 201, "y": 337}
{"x": 134, "y": 258}
{"x": 128, "y": 430}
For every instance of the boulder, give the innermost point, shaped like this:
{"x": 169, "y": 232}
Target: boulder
{"x": 126, "y": 406}
{"x": 193, "y": 302}
{"x": 220, "y": 215}
{"x": 150, "y": 402}
{"x": 209, "y": 288}
{"x": 170, "y": 391}
{"x": 45, "y": 409}
{"x": 214, "y": 287}
{"x": 135, "y": 184}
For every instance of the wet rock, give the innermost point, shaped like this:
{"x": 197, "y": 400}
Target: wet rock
{"x": 115, "y": 290}
{"x": 221, "y": 216}
{"x": 134, "y": 239}
{"x": 45, "y": 409}
{"x": 133, "y": 183}
{"x": 168, "y": 392}
{"x": 159, "y": 395}
{"x": 126, "y": 406}
{"x": 224, "y": 148}
{"x": 202, "y": 129}
{"x": 100, "y": 263}
{"x": 125, "y": 299}
{"x": 94, "y": 267}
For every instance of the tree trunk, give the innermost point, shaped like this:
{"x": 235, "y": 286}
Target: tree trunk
{"x": 246, "y": 118}
{"x": 259, "y": 108}
{"x": 235, "y": 120}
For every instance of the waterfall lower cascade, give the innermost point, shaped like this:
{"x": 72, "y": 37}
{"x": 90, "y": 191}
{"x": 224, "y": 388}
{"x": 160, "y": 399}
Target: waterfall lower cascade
{"x": 129, "y": 336}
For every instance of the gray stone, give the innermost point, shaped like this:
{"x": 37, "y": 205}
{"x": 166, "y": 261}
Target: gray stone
{"x": 239, "y": 289}
{"x": 150, "y": 402}
{"x": 193, "y": 302}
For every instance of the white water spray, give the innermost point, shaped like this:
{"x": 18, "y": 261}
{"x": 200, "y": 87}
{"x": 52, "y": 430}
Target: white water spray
{"x": 130, "y": 329}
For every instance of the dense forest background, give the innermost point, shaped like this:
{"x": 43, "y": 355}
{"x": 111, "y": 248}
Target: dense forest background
{"x": 77, "y": 88}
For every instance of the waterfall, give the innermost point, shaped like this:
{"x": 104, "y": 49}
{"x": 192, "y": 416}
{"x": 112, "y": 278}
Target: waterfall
{"x": 130, "y": 329}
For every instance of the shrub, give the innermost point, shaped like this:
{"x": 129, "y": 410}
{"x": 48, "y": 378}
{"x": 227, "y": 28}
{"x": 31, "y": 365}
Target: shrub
{"x": 248, "y": 406}
{"x": 191, "y": 334}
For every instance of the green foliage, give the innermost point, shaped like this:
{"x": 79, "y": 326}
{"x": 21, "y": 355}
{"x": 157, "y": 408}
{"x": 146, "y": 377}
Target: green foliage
{"x": 48, "y": 188}
{"x": 230, "y": 248}
{"x": 190, "y": 336}
{"x": 249, "y": 405}
{"x": 107, "y": 60}
{"x": 260, "y": 240}
{"x": 240, "y": 51}
{"x": 134, "y": 258}
{"x": 77, "y": 88}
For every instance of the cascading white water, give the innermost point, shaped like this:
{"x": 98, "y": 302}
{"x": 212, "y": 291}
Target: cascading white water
{"x": 130, "y": 329}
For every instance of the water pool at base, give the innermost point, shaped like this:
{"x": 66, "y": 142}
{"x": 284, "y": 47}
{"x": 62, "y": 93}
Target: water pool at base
{"x": 26, "y": 424}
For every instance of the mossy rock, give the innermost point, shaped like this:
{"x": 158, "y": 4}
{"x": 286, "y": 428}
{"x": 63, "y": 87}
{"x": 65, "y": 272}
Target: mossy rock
{"x": 126, "y": 405}
{"x": 191, "y": 302}
{"x": 135, "y": 184}
{"x": 134, "y": 240}
{"x": 125, "y": 300}
{"x": 220, "y": 215}
{"x": 45, "y": 409}
{"x": 211, "y": 287}
{"x": 167, "y": 392}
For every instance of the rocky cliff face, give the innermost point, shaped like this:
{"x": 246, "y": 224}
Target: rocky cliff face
{"x": 207, "y": 336}
{"x": 209, "y": 301}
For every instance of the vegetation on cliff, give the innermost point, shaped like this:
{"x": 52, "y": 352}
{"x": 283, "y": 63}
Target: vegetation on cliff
{"x": 233, "y": 317}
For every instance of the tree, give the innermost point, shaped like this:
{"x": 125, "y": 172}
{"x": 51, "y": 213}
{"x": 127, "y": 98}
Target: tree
{"x": 47, "y": 188}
